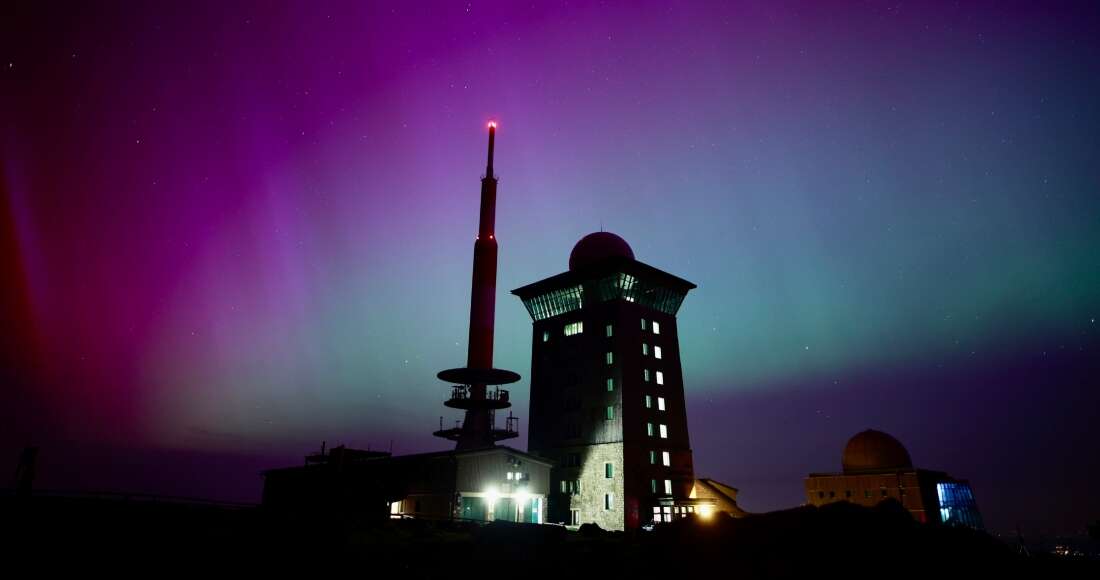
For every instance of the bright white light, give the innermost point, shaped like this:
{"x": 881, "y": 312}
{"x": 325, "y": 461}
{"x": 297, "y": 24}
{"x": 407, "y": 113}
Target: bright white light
{"x": 521, "y": 498}
{"x": 704, "y": 511}
{"x": 491, "y": 495}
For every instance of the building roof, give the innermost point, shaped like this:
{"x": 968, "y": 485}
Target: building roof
{"x": 436, "y": 454}
{"x": 873, "y": 450}
{"x": 596, "y": 247}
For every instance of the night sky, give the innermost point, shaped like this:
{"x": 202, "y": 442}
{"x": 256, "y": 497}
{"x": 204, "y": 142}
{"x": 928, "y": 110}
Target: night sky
{"x": 229, "y": 231}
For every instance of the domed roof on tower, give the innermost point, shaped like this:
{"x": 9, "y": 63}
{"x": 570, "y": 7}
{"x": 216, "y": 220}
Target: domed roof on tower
{"x": 597, "y": 247}
{"x": 873, "y": 450}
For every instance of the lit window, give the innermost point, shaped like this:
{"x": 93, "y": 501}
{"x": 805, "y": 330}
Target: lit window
{"x": 608, "y": 500}
{"x": 649, "y": 429}
{"x": 653, "y": 489}
{"x": 664, "y": 431}
{"x": 610, "y": 385}
{"x": 610, "y": 412}
{"x": 608, "y": 328}
{"x": 648, "y": 402}
{"x": 666, "y": 459}
{"x": 653, "y": 458}
{"x": 660, "y": 403}
{"x": 608, "y": 470}
{"x": 660, "y": 378}
{"x": 545, "y": 335}
{"x": 656, "y": 327}
{"x": 563, "y": 486}
{"x": 656, "y": 352}
{"x": 574, "y": 328}
{"x": 645, "y": 349}
{"x": 668, "y": 487}
{"x": 643, "y": 324}
{"x": 610, "y": 359}
{"x": 574, "y": 517}
{"x": 645, "y": 373}
{"x": 509, "y": 475}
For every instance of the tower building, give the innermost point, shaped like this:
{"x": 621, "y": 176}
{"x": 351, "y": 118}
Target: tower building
{"x": 470, "y": 384}
{"x": 477, "y": 480}
{"x": 607, "y": 391}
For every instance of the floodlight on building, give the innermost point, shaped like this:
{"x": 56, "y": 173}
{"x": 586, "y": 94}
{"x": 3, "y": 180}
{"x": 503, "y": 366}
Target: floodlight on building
{"x": 704, "y": 511}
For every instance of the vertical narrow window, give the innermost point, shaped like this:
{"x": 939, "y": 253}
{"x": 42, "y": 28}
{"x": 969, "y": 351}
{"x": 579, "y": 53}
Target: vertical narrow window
{"x": 656, "y": 327}
{"x": 660, "y": 403}
{"x": 545, "y": 335}
{"x": 643, "y": 324}
{"x": 563, "y": 488}
{"x": 649, "y": 429}
{"x": 656, "y": 352}
{"x": 609, "y": 470}
{"x": 609, "y": 330}
{"x": 660, "y": 375}
{"x": 608, "y": 501}
{"x": 645, "y": 349}
{"x": 666, "y": 458}
{"x": 664, "y": 431}
{"x": 653, "y": 489}
{"x": 668, "y": 487}
{"x": 652, "y": 457}
{"x": 645, "y": 373}
{"x": 648, "y": 402}
{"x": 610, "y": 359}
{"x": 610, "y": 384}
{"x": 610, "y": 412}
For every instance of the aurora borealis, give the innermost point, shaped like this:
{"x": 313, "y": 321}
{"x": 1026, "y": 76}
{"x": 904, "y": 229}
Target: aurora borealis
{"x": 233, "y": 230}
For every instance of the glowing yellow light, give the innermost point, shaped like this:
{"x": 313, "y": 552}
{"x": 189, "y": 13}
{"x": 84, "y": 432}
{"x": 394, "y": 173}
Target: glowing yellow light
{"x": 704, "y": 511}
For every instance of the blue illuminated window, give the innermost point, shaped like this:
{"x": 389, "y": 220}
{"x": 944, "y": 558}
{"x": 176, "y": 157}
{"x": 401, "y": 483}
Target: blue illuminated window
{"x": 957, "y": 505}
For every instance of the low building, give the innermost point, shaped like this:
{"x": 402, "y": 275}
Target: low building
{"x": 723, "y": 498}
{"x": 493, "y": 483}
{"x": 876, "y": 467}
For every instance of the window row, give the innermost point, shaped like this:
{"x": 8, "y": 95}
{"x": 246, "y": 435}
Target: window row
{"x": 666, "y": 458}
{"x": 665, "y": 513}
{"x": 660, "y": 376}
{"x": 660, "y": 403}
{"x": 883, "y": 492}
{"x": 656, "y": 350}
{"x": 667, "y": 487}
{"x": 663, "y": 430}
{"x": 654, "y": 327}
{"x": 571, "y": 486}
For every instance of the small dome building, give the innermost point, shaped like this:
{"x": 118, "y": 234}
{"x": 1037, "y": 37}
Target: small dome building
{"x": 876, "y": 467}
